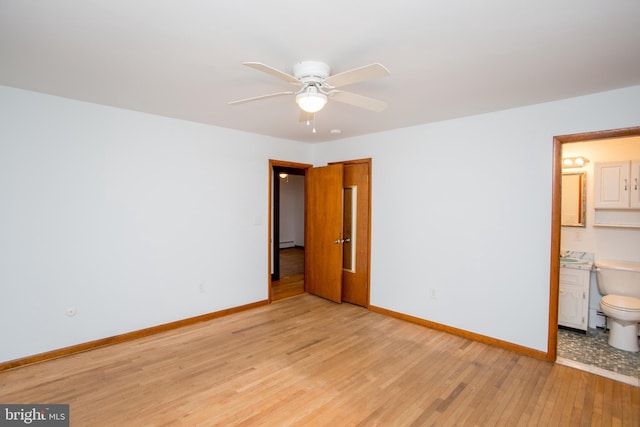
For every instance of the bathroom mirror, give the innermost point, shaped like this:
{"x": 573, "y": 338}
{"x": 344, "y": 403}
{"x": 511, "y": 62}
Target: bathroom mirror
{"x": 573, "y": 207}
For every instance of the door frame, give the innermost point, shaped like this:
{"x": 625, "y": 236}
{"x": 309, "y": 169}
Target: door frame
{"x": 554, "y": 280}
{"x": 303, "y": 166}
{"x": 274, "y": 223}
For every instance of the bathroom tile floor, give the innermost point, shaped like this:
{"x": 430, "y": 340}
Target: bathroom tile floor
{"x": 592, "y": 350}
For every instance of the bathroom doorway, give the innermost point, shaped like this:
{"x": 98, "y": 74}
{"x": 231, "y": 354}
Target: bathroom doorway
{"x": 588, "y": 350}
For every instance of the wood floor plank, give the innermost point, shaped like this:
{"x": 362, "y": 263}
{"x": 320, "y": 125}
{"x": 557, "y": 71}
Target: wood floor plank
{"x": 579, "y": 386}
{"x": 474, "y": 393}
{"x": 520, "y": 411}
{"x": 607, "y": 404}
{"x": 307, "y": 361}
{"x": 630, "y": 408}
{"x": 616, "y": 407}
{"x": 598, "y": 402}
{"x": 563, "y": 407}
{"x": 589, "y": 399}
{"x": 507, "y": 395}
{"x": 287, "y": 287}
{"x": 480, "y": 365}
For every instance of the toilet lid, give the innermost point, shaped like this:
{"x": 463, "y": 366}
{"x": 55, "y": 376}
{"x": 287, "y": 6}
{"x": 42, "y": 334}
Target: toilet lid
{"x": 622, "y": 302}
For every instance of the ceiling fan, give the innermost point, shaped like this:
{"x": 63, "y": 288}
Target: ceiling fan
{"x": 316, "y": 86}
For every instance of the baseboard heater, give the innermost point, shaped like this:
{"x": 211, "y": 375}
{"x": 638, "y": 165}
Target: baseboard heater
{"x": 287, "y": 244}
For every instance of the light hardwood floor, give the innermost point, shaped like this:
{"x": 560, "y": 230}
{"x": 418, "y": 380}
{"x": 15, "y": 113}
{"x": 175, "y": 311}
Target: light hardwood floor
{"x": 287, "y": 287}
{"x": 291, "y": 281}
{"x": 306, "y": 361}
{"x": 291, "y": 261}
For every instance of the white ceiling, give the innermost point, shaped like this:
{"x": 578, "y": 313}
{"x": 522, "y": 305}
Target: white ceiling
{"x": 448, "y": 59}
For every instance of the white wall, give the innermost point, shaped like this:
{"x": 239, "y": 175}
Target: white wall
{"x": 463, "y": 207}
{"x": 124, "y": 216}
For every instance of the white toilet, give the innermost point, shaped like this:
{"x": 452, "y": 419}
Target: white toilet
{"x": 619, "y": 282}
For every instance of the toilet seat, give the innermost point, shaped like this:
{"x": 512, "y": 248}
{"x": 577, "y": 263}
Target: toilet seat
{"x": 621, "y": 308}
{"x": 622, "y": 303}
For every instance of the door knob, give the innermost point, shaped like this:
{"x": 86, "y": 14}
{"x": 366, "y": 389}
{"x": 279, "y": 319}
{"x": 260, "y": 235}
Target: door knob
{"x": 338, "y": 241}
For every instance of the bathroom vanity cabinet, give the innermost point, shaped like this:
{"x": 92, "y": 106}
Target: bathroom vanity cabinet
{"x": 573, "y": 304}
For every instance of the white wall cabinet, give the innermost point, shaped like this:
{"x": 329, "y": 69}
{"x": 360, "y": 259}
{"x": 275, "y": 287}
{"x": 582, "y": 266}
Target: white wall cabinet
{"x": 634, "y": 185}
{"x": 617, "y": 185}
{"x": 573, "y": 303}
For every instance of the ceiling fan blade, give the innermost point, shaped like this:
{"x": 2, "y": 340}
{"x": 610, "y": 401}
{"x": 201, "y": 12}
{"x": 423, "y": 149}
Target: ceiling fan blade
{"x": 306, "y": 117}
{"x": 257, "y": 98}
{"x": 273, "y": 72}
{"x": 368, "y": 72}
{"x": 358, "y": 100}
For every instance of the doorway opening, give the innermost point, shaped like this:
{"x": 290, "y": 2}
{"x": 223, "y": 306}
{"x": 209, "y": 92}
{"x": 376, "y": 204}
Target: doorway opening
{"x": 563, "y": 239}
{"x": 286, "y": 219}
{"x": 336, "y": 232}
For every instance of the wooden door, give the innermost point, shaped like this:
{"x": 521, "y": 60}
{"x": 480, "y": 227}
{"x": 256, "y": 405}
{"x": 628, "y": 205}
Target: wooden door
{"x": 323, "y": 233}
{"x": 355, "y": 274}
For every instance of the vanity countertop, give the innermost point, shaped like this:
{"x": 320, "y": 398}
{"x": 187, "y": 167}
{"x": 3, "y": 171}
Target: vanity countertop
{"x": 576, "y": 260}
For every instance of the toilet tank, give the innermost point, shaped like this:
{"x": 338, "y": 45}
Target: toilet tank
{"x": 618, "y": 277}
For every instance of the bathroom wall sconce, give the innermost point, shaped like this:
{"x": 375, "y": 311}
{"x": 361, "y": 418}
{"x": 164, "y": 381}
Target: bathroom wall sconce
{"x": 574, "y": 162}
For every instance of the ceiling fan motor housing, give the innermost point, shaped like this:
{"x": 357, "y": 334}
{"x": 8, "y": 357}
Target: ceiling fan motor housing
{"x": 311, "y": 71}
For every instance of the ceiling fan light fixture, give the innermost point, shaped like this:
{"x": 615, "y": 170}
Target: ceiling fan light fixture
{"x": 311, "y": 100}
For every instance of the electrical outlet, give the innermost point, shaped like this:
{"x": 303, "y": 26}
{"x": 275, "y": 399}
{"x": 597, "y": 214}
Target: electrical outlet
{"x": 432, "y": 293}
{"x": 201, "y": 288}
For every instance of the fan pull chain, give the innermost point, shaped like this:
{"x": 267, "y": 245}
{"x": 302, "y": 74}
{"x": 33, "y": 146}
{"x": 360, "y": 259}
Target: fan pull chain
{"x": 312, "y": 122}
